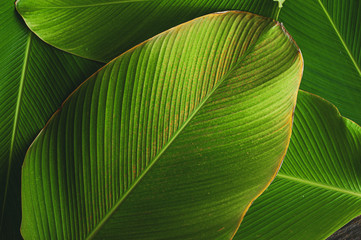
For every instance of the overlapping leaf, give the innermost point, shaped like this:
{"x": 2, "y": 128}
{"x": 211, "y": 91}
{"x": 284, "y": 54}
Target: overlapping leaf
{"x": 329, "y": 34}
{"x": 171, "y": 140}
{"x": 318, "y": 188}
{"x": 34, "y": 80}
{"x": 103, "y": 29}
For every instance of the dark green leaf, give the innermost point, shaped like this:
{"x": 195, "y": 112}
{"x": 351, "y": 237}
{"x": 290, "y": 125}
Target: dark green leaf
{"x": 318, "y": 188}
{"x": 329, "y": 35}
{"x": 103, "y": 29}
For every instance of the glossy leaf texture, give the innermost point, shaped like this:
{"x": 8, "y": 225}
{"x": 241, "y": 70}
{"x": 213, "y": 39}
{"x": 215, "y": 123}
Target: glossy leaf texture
{"x": 103, "y": 29}
{"x": 171, "y": 140}
{"x": 329, "y": 34}
{"x": 34, "y": 80}
{"x": 318, "y": 188}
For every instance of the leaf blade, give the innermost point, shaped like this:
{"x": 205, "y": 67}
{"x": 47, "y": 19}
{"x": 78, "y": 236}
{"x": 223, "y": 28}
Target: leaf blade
{"x": 238, "y": 73}
{"x": 340, "y": 37}
{"x": 318, "y": 189}
{"x": 89, "y": 35}
{"x": 27, "y": 98}
{"x": 328, "y": 32}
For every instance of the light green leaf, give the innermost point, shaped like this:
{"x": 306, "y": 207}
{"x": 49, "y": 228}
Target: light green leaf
{"x": 103, "y": 29}
{"x": 329, "y": 34}
{"x": 171, "y": 140}
{"x": 34, "y": 80}
{"x": 280, "y": 3}
{"x": 318, "y": 188}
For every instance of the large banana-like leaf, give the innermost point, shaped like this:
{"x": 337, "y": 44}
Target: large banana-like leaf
{"x": 171, "y": 140}
{"x": 318, "y": 188}
{"x": 34, "y": 80}
{"x": 329, "y": 34}
{"x": 102, "y": 29}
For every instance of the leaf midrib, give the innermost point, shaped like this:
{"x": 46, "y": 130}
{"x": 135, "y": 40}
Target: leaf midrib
{"x": 93, "y": 233}
{"x": 319, "y": 185}
{"x": 16, "y": 119}
{"x": 340, "y": 37}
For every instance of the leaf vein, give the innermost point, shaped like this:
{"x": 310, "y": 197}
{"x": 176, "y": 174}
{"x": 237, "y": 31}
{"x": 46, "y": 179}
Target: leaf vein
{"x": 16, "y": 119}
{"x": 319, "y": 185}
{"x": 93, "y": 233}
{"x": 341, "y": 38}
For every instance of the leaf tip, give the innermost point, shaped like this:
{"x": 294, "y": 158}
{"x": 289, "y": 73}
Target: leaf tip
{"x": 280, "y": 24}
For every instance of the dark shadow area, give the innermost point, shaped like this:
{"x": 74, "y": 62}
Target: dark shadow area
{"x": 351, "y": 231}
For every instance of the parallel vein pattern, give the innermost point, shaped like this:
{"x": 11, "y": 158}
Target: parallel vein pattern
{"x": 152, "y": 146}
{"x": 101, "y": 30}
{"x": 329, "y": 34}
{"x": 346, "y": 32}
{"x": 318, "y": 188}
{"x": 34, "y": 80}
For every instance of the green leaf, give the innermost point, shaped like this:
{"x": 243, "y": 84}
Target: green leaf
{"x": 329, "y": 34}
{"x": 318, "y": 188}
{"x": 34, "y": 80}
{"x": 103, "y": 29}
{"x": 171, "y": 140}
{"x": 280, "y": 3}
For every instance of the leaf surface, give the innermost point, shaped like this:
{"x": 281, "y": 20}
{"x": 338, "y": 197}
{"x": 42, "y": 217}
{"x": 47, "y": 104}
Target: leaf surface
{"x": 34, "y": 79}
{"x": 171, "y": 140}
{"x": 329, "y": 34}
{"x": 318, "y": 189}
{"x": 103, "y": 29}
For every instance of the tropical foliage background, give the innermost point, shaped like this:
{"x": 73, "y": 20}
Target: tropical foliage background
{"x": 183, "y": 131}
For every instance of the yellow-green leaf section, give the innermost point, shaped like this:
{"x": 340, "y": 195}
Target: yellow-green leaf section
{"x": 103, "y": 29}
{"x": 171, "y": 140}
{"x": 318, "y": 188}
